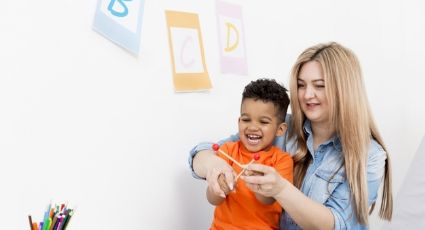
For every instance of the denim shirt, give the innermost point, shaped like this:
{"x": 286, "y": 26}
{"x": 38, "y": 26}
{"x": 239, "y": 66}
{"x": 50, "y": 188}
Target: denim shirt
{"x": 325, "y": 181}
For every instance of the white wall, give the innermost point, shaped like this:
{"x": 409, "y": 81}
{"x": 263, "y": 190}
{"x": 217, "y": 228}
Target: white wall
{"x": 82, "y": 120}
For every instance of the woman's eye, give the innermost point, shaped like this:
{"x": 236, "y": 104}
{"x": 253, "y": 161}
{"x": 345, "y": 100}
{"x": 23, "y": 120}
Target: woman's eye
{"x": 300, "y": 85}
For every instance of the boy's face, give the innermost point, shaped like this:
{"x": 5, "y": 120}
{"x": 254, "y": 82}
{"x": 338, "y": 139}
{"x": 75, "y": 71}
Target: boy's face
{"x": 259, "y": 125}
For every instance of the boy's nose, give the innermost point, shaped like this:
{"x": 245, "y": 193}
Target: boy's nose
{"x": 253, "y": 127}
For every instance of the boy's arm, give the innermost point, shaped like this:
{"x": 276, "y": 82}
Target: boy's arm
{"x": 213, "y": 198}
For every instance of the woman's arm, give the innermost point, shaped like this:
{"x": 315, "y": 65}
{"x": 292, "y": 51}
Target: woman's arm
{"x": 202, "y": 161}
{"x": 307, "y": 213}
{"x": 205, "y": 161}
{"x": 208, "y": 165}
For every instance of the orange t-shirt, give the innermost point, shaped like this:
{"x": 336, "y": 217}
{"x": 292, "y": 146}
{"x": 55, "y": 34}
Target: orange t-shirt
{"x": 241, "y": 209}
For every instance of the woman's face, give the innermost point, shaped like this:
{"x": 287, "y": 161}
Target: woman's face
{"x": 311, "y": 93}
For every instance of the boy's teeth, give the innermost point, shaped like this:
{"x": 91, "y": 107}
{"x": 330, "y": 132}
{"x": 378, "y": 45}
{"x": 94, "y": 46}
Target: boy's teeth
{"x": 253, "y": 139}
{"x": 250, "y": 136}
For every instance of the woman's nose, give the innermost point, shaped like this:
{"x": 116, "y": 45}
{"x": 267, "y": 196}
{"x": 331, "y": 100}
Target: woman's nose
{"x": 309, "y": 92}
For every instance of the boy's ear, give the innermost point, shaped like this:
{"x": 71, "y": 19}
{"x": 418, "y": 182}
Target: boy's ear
{"x": 281, "y": 129}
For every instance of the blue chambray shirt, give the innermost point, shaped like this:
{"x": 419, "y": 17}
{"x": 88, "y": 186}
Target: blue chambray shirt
{"x": 325, "y": 181}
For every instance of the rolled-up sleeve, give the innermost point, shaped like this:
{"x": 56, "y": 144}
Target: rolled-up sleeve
{"x": 340, "y": 203}
{"x": 206, "y": 146}
{"x": 340, "y": 206}
{"x": 194, "y": 151}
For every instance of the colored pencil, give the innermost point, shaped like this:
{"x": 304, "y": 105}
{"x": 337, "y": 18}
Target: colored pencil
{"x": 30, "y": 220}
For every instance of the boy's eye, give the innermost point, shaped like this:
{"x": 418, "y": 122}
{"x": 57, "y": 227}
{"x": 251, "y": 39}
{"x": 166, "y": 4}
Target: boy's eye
{"x": 264, "y": 122}
{"x": 245, "y": 119}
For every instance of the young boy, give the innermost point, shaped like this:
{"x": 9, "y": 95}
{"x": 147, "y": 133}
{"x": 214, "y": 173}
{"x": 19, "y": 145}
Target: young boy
{"x": 263, "y": 110}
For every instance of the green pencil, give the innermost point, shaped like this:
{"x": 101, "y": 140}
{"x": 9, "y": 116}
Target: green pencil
{"x": 68, "y": 218}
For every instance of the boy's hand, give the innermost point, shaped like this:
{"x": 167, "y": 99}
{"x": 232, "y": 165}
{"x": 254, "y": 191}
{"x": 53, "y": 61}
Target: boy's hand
{"x": 223, "y": 184}
{"x": 220, "y": 176}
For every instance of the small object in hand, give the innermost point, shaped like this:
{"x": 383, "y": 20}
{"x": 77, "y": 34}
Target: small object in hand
{"x": 215, "y": 147}
{"x": 252, "y": 173}
{"x": 223, "y": 184}
{"x": 256, "y": 156}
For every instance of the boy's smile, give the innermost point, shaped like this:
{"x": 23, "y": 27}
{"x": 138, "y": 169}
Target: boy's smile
{"x": 259, "y": 125}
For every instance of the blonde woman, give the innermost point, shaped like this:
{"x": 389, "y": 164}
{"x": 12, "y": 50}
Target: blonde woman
{"x": 339, "y": 157}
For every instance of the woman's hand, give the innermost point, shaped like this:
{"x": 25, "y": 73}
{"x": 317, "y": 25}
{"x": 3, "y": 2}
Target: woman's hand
{"x": 269, "y": 185}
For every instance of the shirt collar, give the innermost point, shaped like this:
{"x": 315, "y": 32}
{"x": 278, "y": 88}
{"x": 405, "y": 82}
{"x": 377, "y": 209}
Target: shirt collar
{"x": 335, "y": 141}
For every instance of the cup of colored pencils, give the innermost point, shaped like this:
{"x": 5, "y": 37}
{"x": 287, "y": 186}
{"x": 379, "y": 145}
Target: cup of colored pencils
{"x": 56, "y": 217}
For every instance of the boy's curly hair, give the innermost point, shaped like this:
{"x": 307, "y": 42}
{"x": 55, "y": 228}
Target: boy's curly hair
{"x": 268, "y": 90}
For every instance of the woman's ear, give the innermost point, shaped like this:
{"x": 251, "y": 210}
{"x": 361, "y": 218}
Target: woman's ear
{"x": 281, "y": 129}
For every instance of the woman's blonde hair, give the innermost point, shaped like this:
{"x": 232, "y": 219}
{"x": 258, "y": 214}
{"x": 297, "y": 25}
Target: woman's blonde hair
{"x": 352, "y": 119}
